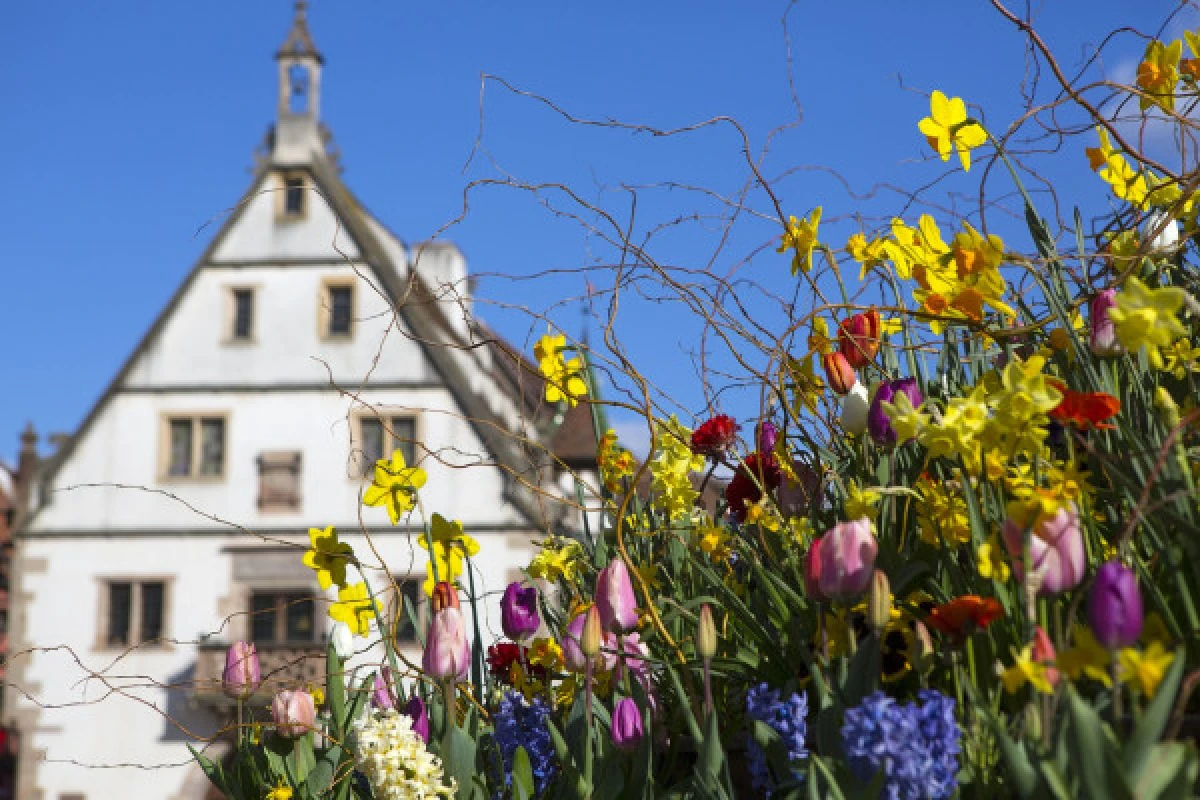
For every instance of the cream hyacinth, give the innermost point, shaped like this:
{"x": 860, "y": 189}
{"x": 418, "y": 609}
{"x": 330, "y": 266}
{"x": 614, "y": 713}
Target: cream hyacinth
{"x": 395, "y": 760}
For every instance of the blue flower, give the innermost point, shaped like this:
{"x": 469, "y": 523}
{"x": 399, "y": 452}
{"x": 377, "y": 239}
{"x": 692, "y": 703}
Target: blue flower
{"x": 522, "y": 724}
{"x": 916, "y": 747}
{"x": 788, "y": 719}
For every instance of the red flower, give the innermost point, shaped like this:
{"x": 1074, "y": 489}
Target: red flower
{"x": 1085, "y": 409}
{"x": 962, "y": 615}
{"x": 501, "y": 657}
{"x": 858, "y": 338}
{"x": 743, "y": 489}
{"x": 714, "y": 436}
{"x": 838, "y": 372}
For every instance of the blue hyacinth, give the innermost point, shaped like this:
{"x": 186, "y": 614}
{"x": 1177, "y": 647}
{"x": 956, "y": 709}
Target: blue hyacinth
{"x": 519, "y": 723}
{"x": 917, "y": 747}
{"x": 788, "y": 719}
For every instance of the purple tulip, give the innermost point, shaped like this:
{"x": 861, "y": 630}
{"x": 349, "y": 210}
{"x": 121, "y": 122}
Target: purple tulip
{"x": 878, "y": 423}
{"x": 1057, "y": 549}
{"x": 1104, "y": 330}
{"x": 519, "y": 612}
{"x": 1115, "y": 606}
{"x": 447, "y": 649}
{"x": 294, "y": 713}
{"x": 627, "y": 728}
{"x": 416, "y": 711}
{"x": 382, "y": 696}
{"x": 845, "y": 559}
{"x": 615, "y": 599}
{"x": 242, "y": 674}
{"x": 767, "y": 435}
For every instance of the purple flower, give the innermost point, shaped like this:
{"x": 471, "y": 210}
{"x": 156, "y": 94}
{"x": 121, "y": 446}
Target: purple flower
{"x": 916, "y": 747}
{"x": 1115, "y": 606}
{"x": 415, "y": 710}
{"x": 878, "y": 423}
{"x": 627, "y": 728}
{"x": 615, "y": 599}
{"x": 294, "y": 713}
{"x": 519, "y": 612}
{"x": 519, "y": 723}
{"x": 788, "y": 719}
{"x": 1104, "y": 330}
{"x": 242, "y": 674}
{"x": 382, "y": 696}
{"x": 766, "y": 436}
{"x": 447, "y": 649}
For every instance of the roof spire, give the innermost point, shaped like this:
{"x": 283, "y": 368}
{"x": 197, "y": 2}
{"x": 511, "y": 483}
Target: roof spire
{"x": 299, "y": 41}
{"x": 298, "y": 134}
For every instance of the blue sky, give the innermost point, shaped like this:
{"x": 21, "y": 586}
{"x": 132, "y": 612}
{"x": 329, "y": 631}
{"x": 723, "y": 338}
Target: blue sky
{"x": 129, "y": 127}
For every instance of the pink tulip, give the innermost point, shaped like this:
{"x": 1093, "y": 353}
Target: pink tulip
{"x": 382, "y": 697}
{"x": 846, "y": 556}
{"x": 1057, "y": 549}
{"x": 1104, "y": 330}
{"x": 294, "y": 713}
{"x": 1043, "y": 652}
{"x": 812, "y": 573}
{"x": 447, "y": 649}
{"x": 242, "y": 674}
{"x": 573, "y": 655}
{"x": 615, "y": 599}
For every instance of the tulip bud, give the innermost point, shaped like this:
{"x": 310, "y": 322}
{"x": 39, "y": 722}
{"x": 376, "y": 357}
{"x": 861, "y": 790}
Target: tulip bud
{"x": 242, "y": 674}
{"x": 1167, "y": 408}
{"x": 838, "y": 372}
{"x": 879, "y": 602}
{"x": 858, "y": 338}
{"x": 812, "y": 573}
{"x": 706, "y": 634}
{"x": 444, "y": 596}
{"x": 1115, "y": 606}
{"x": 847, "y": 559}
{"x": 766, "y": 435}
{"x": 589, "y": 642}
{"x": 294, "y": 713}
{"x": 854, "y": 409}
{"x": 519, "y": 612}
{"x": 1043, "y": 653}
{"x": 416, "y": 711}
{"x": 1166, "y": 239}
{"x": 615, "y": 600}
{"x": 447, "y": 649}
{"x": 343, "y": 640}
{"x": 1103, "y": 338}
{"x": 923, "y": 650}
{"x": 573, "y": 656}
{"x": 381, "y": 696}
{"x": 627, "y": 728}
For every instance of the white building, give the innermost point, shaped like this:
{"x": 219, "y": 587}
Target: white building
{"x": 307, "y": 341}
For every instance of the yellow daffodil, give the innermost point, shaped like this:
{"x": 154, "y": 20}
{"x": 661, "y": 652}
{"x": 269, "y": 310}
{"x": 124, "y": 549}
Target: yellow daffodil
{"x": 616, "y": 463}
{"x": 1180, "y": 358}
{"x": 1145, "y": 669}
{"x": 547, "y": 654}
{"x": 449, "y": 545}
{"x": 947, "y": 128}
{"x": 860, "y": 502}
{"x": 671, "y": 467}
{"x": 559, "y": 559}
{"x": 318, "y": 694}
{"x": 909, "y": 247}
{"x": 991, "y": 561}
{"x": 1158, "y": 74}
{"x": 801, "y": 236}
{"x": 819, "y": 340}
{"x": 327, "y": 556}
{"x": 869, "y": 254}
{"x": 1098, "y": 156}
{"x": 354, "y": 607}
{"x": 564, "y": 379}
{"x": 1085, "y": 658}
{"x": 908, "y": 422}
{"x": 802, "y": 530}
{"x": 942, "y": 517}
{"x": 762, "y": 514}
{"x": 395, "y": 486}
{"x": 1146, "y": 317}
{"x": 804, "y": 384}
{"x": 1026, "y": 670}
{"x": 1127, "y": 183}
{"x": 714, "y": 542}
{"x": 281, "y": 791}
{"x": 974, "y": 253}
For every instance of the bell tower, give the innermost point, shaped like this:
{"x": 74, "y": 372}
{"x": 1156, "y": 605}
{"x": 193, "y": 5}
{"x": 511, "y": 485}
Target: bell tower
{"x": 297, "y": 129}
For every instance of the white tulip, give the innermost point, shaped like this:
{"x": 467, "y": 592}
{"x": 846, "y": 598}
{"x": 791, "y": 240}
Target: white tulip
{"x": 854, "y": 409}
{"x": 343, "y": 640}
{"x": 1166, "y": 240}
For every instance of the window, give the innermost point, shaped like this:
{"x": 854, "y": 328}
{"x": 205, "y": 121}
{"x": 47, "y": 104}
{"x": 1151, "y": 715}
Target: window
{"x": 243, "y": 314}
{"x": 298, "y": 85}
{"x": 341, "y": 300}
{"x": 282, "y": 617}
{"x": 293, "y": 196}
{"x": 279, "y": 481}
{"x": 409, "y": 597}
{"x": 377, "y": 440}
{"x": 195, "y": 447}
{"x": 134, "y": 612}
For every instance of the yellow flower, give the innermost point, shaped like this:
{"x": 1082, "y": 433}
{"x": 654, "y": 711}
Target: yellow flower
{"x": 1098, "y": 156}
{"x": 801, "y": 236}
{"x": 942, "y": 516}
{"x": 802, "y": 530}
{"x": 615, "y": 462}
{"x": 1158, "y": 74}
{"x": 910, "y": 247}
{"x": 819, "y": 341}
{"x": 395, "y": 486}
{"x": 1127, "y": 183}
{"x": 1146, "y": 317}
{"x": 558, "y": 560}
{"x": 354, "y": 607}
{"x": 869, "y": 254}
{"x": 449, "y": 545}
{"x": 564, "y": 379}
{"x": 1145, "y": 669}
{"x": 1181, "y": 358}
{"x": 546, "y": 653}
{"x": 860, "y": 502}
{"x": 947, "y": 128}
{"x": 957, "y": 433}
{"x": 990, "y": 557}
{"x": 318, "y": 694}
{"x": 1087, "y": 657}
{"x": 714, "y": 541}
{"x": 908, "y": 422}
{"x": 1026, "y": 670}
{"x": 974, "y": 253}
{"x": 281, "y": 791}
{"x": 256, "y": 734}
{"x": 327, "y": 557}
{"x": 671, "y": 468}
{"x": 805, "y": 384}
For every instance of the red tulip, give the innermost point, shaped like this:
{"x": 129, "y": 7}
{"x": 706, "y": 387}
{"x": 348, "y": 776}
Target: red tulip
{"x": 858, "y": 338}
{"x": 838, "y": 372}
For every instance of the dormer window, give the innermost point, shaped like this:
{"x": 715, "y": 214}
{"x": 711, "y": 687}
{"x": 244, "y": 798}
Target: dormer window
{"x": 293, "y": 195}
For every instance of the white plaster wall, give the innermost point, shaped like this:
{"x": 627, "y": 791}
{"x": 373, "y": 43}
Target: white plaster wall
{"x": 258, "y": 236}
{"x": 194, "y": 347}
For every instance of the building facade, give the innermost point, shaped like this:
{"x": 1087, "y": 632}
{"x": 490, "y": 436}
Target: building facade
{"x": 307, "y": 342}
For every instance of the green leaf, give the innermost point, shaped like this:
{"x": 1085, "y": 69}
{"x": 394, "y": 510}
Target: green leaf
{"x": 458, "y": 759}
{"x": 1154, "y": 721}
{"x": 522, "y": 776}
{"x": 320, "y": 778}
{"x": 712, "y": 754}
{"x": 1174, "y": 772}
{"x": 211, "y": 769}
{"x": 1025, "y": 778}
{"x": 1089, "y": 754}
{"x": 863, "y": 677}
{"x": 335, "y": 689}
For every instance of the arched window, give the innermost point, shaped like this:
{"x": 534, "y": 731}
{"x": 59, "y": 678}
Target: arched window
{"x": 298, "y": 89}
